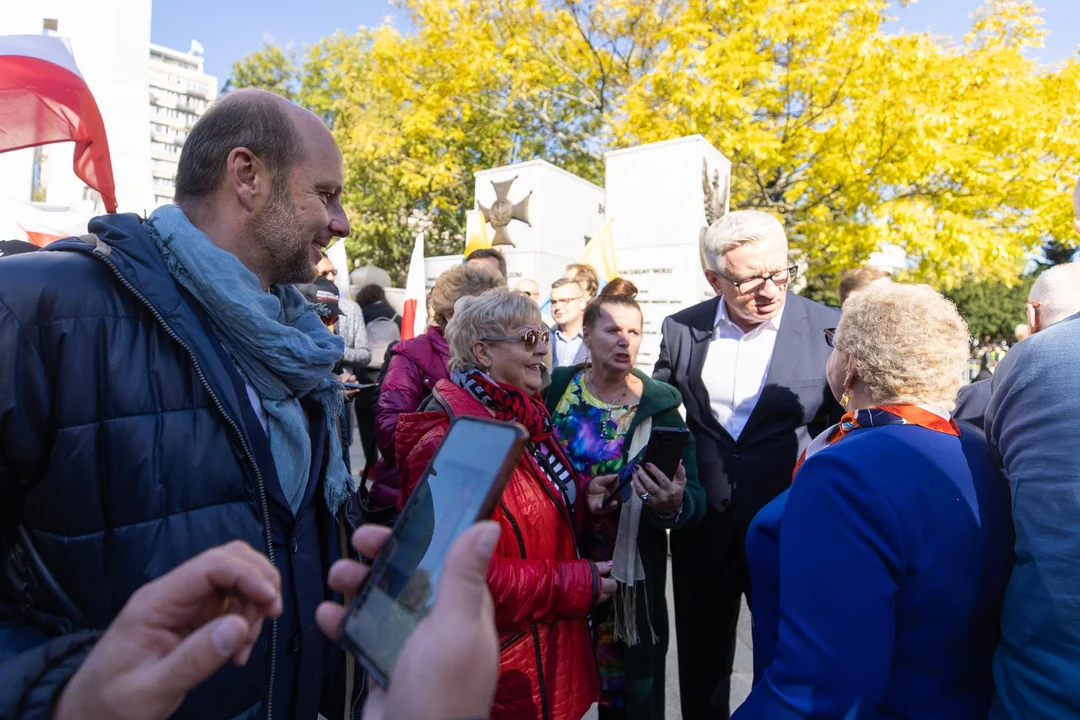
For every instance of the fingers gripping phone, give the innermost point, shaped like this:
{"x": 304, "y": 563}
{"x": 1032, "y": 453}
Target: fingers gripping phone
{"x": 665, "y": 450}
{"x": 461, "y": 485}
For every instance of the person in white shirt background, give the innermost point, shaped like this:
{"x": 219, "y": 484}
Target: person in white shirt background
{"x": 750, "y": 365}
{"x": 568, "y": 301}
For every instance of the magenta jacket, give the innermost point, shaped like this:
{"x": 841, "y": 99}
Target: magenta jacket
{"x": 415, "y": 366}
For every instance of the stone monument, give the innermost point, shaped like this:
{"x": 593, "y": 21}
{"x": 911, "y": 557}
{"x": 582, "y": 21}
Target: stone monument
{"x": 557, "y": 211}
{"x": 659, "y": 197}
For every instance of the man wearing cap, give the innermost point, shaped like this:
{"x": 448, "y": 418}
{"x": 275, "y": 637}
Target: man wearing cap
{"x": 351, "y": 327}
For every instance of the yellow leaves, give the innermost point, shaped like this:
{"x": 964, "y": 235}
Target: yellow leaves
{"x": 859, "y": 136}
{"x": 866, "y": 138}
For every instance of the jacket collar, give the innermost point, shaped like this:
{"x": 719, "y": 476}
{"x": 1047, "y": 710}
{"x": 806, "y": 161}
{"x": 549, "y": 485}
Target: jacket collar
{"x": 702, "y": 320}
{"x": 427, "y": 350}
{"x": 656, "y": 397}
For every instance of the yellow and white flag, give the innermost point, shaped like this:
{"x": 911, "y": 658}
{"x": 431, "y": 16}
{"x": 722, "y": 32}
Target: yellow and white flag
{"x": 476, "y": 234}
{"x": 600, "y": 253}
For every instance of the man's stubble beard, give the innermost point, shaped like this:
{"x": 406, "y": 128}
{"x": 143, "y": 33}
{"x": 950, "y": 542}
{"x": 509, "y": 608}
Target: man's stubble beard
{"x": 279, "y": 233}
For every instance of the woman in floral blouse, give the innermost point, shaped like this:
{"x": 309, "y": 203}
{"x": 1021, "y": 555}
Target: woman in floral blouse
{"x": 603, "y": 413}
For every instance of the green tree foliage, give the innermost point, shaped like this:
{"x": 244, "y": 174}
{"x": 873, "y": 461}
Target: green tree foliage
{"x": 992, "y": 309}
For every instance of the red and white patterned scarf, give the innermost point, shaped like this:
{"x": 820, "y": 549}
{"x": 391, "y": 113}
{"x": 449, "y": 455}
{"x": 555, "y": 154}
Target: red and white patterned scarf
{"x": 879, "y": 417}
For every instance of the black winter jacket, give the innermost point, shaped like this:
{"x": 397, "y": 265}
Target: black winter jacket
{"x": 127, "y": 446}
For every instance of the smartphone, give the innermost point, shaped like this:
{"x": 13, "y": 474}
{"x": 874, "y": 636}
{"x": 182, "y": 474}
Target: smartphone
{"x": 461, "y": 485}
{"x": 666, "y": 448}
{"x": 665, "y": 451}
{"x": 358, "y": 386}
{"x": 625, "y": 476}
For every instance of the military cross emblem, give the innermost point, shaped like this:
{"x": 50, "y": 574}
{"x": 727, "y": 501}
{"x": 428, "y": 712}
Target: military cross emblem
{"x": 502, "y": 212}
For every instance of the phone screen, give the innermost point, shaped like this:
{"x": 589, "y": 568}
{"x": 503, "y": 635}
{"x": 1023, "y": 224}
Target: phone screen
{"x": 460, "y": 486}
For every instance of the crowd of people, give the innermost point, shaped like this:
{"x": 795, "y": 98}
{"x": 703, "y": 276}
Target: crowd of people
{"x": 182, "y": 522}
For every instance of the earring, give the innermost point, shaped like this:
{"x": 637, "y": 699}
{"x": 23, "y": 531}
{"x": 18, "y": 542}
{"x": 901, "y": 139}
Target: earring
{"x": 844, "y": 399}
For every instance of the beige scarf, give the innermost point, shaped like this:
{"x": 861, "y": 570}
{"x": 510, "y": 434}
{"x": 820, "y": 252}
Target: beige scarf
{"x": 628, "y": 570}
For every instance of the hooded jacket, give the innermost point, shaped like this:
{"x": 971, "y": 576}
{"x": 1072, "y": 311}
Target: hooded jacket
{"x": 415, "y": 366}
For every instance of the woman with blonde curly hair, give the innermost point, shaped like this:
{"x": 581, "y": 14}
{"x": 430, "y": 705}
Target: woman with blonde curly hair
{"x": 878, "y": 577}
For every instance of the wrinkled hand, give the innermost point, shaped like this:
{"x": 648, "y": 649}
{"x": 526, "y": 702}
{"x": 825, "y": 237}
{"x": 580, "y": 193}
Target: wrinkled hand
{"x": 449, "y": 666}
{"x": 173, "y": 633}
{"x": 598, "y": 489}
{"x": 665, "y": 496}
{"x": 607, "y": 583}
{"x": 350, "y": 393}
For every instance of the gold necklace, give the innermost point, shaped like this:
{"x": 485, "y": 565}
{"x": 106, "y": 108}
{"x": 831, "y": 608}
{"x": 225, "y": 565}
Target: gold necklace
{"x": 591, "y": 382}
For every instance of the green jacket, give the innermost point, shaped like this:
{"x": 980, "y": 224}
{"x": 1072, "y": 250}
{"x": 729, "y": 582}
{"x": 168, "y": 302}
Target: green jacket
{"x": 645, "y": 662}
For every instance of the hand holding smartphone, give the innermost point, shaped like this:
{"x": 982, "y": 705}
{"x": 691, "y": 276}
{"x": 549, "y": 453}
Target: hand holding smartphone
{"x": 665, "y": 450}
{"x": 460, "y": 486}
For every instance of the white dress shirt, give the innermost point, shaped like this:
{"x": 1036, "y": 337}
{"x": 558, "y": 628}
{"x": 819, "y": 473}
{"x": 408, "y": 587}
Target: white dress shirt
{"x": 735, "y": 369}
{"x": 566, "y": 348}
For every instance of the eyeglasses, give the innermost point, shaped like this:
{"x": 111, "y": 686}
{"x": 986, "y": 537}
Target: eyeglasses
{"x": 531, "y": 338}
{"x": 328, "y": 274}
{"x": 754, "y": 285}
{"x": 566, "y": 300}
{"x": 830, "y": 336}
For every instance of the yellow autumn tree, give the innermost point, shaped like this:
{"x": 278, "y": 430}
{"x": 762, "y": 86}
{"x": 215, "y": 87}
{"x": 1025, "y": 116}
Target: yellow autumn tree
{"x": 961, "y": 154}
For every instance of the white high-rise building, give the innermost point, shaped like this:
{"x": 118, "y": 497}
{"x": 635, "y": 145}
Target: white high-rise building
{"x": 180, "y": 92}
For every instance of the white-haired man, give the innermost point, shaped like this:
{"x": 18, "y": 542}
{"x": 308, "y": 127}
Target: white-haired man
{"x": 1054, "y": 296}
{"x": 1031, "y": 428}
{"x": 750, "y": 365}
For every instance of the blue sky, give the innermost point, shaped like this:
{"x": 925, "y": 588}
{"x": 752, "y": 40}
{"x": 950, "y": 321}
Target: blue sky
{"x": 229, "y": 29}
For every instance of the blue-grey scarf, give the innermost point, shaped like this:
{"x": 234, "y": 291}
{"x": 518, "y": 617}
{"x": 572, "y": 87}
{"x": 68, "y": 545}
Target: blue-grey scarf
{"x": 277, "y": 342}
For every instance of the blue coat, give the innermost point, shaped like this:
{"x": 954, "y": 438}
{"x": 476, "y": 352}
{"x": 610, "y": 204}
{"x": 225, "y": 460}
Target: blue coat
{"x": 878, "y": 580}
{"x": 127, "y": 446}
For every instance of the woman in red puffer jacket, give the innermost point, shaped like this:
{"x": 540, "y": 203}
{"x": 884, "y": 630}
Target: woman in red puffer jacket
{"x": 543, "y": 591}
{"x": 415, "y": 366}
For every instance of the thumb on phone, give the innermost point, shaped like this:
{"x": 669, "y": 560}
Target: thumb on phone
{"x": 680, "y": 474}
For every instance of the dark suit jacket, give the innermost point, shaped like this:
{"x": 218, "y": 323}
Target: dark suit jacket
{"x": 795, "y": 405}
{"x": 971, "y": 403}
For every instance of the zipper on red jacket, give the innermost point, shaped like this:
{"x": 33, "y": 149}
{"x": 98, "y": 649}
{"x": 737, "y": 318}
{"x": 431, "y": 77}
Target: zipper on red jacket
{"x": 532, "y": 627}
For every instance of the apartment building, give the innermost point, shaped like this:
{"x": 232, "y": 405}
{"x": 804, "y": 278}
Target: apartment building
{"x": 180, "y": 92}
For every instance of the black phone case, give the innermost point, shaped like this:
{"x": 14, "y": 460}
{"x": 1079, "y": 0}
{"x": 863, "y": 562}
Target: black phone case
{"x": 666, "y": 448}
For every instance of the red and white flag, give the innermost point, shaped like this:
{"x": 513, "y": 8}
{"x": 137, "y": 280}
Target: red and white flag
{"x": 44, "y": 99}
{"x": 414, "y": 313}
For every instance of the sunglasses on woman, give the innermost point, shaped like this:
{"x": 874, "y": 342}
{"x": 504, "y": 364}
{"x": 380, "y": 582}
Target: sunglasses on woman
{"x": 531, "y": 338}
{"x": 830, "y": 336}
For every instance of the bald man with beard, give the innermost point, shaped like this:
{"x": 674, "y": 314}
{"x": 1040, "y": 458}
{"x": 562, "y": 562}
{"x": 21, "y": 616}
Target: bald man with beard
{"x": 166, "y": 390}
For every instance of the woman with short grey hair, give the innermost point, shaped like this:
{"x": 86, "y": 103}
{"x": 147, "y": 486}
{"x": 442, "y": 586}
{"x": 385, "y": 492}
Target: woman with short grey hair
{"x": 543, "y": 590}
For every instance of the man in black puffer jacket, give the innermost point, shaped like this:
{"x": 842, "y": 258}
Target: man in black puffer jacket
{"x": 130, "y": 441}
